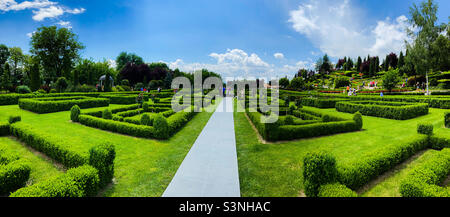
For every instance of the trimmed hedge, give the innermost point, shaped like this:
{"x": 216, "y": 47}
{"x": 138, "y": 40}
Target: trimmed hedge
{"x": 14, "y": 175}
{"x": 290, "y": 132}
{"x": 4, "y": 129}
{"x": 390, "y": 110}
{"x": 336, "y": 190}
{"x": 102, "y": 158}
{"x": 425, "y": 128}
{"x": 442, "y": 102}
{"x": 74, "y": 113}
{"x": 49, "y": 144}
{"x": 121, "y": 99}
{"x": 14, "y": 118}
{"x": 424, "y": 179}
{"x": 447, "y": 119}
{"x": 107, "y": 114}
{"x": 57, "y": 104}
{"x": 117, "y": 127}
{"x": 77, "y": 182}
{"x": 319, "y": 168}
{"x": 13, "y": 99}
{"x": 321, "y": 102}
{"x": 357, "y": 173}
{"x": 99, "y": 112}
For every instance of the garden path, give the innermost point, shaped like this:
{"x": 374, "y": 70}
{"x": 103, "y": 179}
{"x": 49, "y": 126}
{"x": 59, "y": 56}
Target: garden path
{"x": 210, "y": 169}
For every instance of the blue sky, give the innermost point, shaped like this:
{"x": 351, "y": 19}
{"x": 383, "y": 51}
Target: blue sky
{"x": 232, "y": 37}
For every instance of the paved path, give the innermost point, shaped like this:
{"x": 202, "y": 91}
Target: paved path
{"x": 210, "y": 169}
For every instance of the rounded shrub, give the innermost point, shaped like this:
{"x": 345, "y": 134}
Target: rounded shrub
{"x": 358, "y": 120}
{"x": 74, "y": 113}
{"x": 102, "y": 158}
{"x": 23, "y": 89}
{"x": 319, "y": 169}
{"x": 289, "y": 120}
{"x": 291, "y": 109}
{"x": 326, "y": 118}
{"x": 161, "y": 127}
{"x": 425, "y": 128}
{"x": 145, "y": 120}
{"x": 107, "y": 114}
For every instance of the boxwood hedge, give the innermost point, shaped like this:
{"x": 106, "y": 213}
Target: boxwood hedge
{"x": 390, "y": 110}
{"x": 14, "y": 175}
{"x": 447, "y": 119}
{"x": 336, "y": 190}
{"x": 424, "y": 179}
{"x": 117, "y": 127}
{"x": 56, "y": 104}
{"x": 4, "y": 129}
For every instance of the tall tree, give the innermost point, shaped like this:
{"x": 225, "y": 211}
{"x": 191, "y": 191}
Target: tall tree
{"x": 424, "y": 32}
{"x": 358, "y": 64}
{"x": 401, "y": 60}
{"x": 4, "y": 54}
{"x": 125, "y": 58}
{"x": 35, "y": 75}
{"x": 57, "y": 49}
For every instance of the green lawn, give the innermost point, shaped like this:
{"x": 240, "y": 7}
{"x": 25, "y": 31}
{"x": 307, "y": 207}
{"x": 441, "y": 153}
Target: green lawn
{"x": 143, "y": 167}
{"x": 275, "y": 169}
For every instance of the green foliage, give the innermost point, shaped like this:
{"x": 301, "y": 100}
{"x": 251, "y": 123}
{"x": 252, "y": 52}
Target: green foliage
{"x": 424, "y": 179}
{"x": 390, "y": 80}
{"x": 319, "y": 169}
{"x": 447, "y": 119}
{"x": 145, "y": 106}
{"x": 161, "y": 127}
{"x": 391, "y": 110}
{"x": 35, "y": 75}
{"x": 145, "y": 120}
{"x": 57, "y": 49}
{"x": 358, "y": 120}
{"x": 14, "y": 118}
{"x": 56, "y": 104}
{"x": 76, "y": 182}
{"x": 425, "y": 128}
{"x": 50, "y": 145}
{"x": 23, "y": 89}
{"x": 118, "y": 127}
{"x": 14, "y": 175}
{"x": 341, "y": 82}
{"x": 4, "y": 129}
{"x": 107, "y": 114}
{"x": 102, "y": 158}
{"x": 61, "y": 84}
{"x": 297, "y": 84}
{"x": 320, "y": 102}
{"x": 284, "y": 82}
{"x": 75, "y": 111}
{"x": 336, "y": 190}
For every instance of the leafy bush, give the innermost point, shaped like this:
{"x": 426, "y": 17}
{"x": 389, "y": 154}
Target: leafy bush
{"x": 358, "y": 120}
{"x": 74, "y": 113}
{"x": 319, "y": 168}
{"x": 61, "y": 84}
{"x": 336, "y": 190}
{"x": 23, "y": 89}
{"x": 391, "y": 110}
{"x": 4, "y": 129}
{"x": 107, "y": 114}
{"x": 161, "y": 127}
{"x": 145, "y": 120}
{"x": 14, "y": 118}
{"x": 76, "y": 182}
{"x": 325, "y": 118}
{"x": 288, "y": 120}
{"x": 341, "y": 82}
{"x": 102, "y": 158}
{"x": 425, "y": 128}
{"x": 423, "y": 180}
{"x": 14, "y": 175}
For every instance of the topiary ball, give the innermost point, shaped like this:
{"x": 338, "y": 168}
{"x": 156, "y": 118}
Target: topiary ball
{"x": 74, "y": 113}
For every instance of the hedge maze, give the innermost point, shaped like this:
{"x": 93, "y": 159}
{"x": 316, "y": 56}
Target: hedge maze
{"x": 390, "y": 110}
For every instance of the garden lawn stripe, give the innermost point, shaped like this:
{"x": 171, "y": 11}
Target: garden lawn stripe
{"x": 210, "y": 168}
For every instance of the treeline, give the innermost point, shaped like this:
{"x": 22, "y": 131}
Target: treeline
{"x": 54, "y": 64}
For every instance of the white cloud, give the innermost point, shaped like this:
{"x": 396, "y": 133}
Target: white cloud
{"x": 42, "y": 9}
{"x": 30, "y": 34}
{"x": 65, "y": 24}
{"x": 237, "y": 63}
{"x": 278, "y": 55}
{"x": 335, "y": 27}
{"x": 112, "y": 63}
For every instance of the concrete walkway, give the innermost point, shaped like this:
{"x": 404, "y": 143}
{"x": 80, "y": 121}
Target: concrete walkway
{"x": 210, "y": 169}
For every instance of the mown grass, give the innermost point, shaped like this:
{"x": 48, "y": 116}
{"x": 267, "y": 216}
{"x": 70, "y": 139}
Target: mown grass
{"x": 143, "y": 167}
{"x": 275, "y": 169}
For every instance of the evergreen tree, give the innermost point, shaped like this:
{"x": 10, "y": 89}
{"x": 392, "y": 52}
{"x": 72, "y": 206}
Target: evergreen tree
{"x": 377, "y": 64}
{"x": 35, "y": 75}
{"x": 358, "y": 64}
{"x": 386, "y": 64}
{"x": 401, "y": 60}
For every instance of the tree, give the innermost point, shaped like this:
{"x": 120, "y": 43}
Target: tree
{"x": 377, "y": 64}
{"x": 390, "y": 80}
{"x": 16, "y": 61}
{"x": 386, "y": 64}
{"x": 284, "y": 82}
{"x": 168, "y": 80}
{"x": 440, "y": 50}
{"x": 424, "y": 32}
{"x": 57, "y": 49}
{"x": 401, "y": 60}
{"x": 393, "y": 60}
{"x": 35, "y": 75}
{"x": 358, "y": 64}
{"x": 297, "y": 84}
{"x": 5, "y": 78}
{"x": 124, "y": 58}
{"x": 4, "y": 54}
{"x": 61, "y": 84}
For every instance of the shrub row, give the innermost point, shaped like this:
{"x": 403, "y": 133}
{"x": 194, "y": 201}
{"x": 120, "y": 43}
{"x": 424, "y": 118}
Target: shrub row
{"x": 442, "y": 102}
{"x": 76, "y": 182}
{"x": 447, "y": 119}
{"x": 290, "y": 132}
{"x": 391, "y": 110}
{"x": 320, "y": 102}
{"x": 13, "y": 99}
{"x": 4, "y": 129}
{"x": 49, "y": 105}
{"x": 319, "y": 168}
{"x": 49, "y": 144}
{"x": 357, "y": 173}
{"x": 98, "y": 113}
{"x": 121, "y": 99}
{"x": 117, "y": 127}
{"x": 424, "y": 179}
